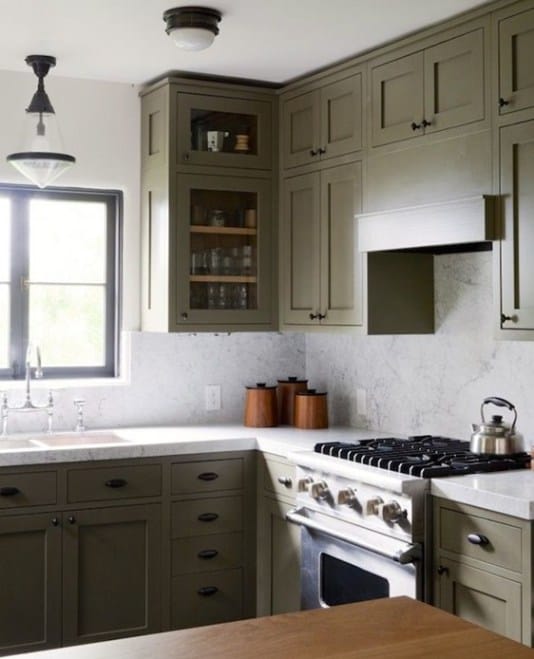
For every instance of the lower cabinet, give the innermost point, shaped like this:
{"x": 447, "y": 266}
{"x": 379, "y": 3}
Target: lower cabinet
{"x": 278, "y": 540}
{"x": 482, "y": 568}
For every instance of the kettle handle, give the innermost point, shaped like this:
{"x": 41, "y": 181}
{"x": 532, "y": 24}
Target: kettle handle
{"x": 500, "y": 402}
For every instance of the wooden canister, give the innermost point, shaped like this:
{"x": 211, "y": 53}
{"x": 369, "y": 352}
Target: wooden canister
{"x": 261, "y": 410}
{"x": 286, "y": 391}
{"x": 311, "y": 409}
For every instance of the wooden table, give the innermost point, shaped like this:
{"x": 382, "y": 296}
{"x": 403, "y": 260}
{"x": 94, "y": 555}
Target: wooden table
{"x": 387, "y": 628}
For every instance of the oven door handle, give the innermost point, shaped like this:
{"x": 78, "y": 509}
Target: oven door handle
{"x": 404, "y": 556}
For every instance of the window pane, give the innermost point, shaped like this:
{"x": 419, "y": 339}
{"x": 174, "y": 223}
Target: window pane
{"x": 67, "y": 241}
{"x": 4, "y": 326}
{"x": 5, "y": 241}
{"x": 67, "y": 323}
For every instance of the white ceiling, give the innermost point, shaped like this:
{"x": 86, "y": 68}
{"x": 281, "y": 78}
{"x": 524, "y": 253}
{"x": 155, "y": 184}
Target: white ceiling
{"x": 270, "y": 40}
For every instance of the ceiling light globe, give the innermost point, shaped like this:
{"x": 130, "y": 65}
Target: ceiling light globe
{"x": 192, "y": 38}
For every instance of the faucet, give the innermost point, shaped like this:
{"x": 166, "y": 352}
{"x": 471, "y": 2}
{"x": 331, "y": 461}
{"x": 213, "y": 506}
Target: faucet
{"x": 28, "y": 375}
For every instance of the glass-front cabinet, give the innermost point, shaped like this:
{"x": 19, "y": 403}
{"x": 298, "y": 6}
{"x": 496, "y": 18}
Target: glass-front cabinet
{"x": 223, "y": 272}
{"x": 225, "y": 132}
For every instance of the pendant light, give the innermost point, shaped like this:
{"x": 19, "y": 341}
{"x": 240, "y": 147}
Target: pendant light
{"x": 192, "y": 28}
{"x": 42, "y": 159}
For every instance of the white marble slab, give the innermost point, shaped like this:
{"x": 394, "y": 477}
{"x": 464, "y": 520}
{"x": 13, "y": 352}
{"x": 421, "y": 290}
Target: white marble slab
{"x": 507, "y": 492}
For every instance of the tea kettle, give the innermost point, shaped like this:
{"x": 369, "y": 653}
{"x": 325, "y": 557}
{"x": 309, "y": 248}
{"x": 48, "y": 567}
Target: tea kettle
{"x": 495, "y": 437}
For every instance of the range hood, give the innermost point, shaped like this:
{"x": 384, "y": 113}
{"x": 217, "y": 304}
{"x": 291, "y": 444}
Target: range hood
{"x": 461, "y": 223}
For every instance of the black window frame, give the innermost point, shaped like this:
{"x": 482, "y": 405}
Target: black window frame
{"x": 20, "y": 196}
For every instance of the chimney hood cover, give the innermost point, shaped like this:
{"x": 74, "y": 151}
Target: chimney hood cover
{"x": 458, "y": 222}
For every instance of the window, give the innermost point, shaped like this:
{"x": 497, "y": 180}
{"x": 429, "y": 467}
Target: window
{"x": 59, "y": 280}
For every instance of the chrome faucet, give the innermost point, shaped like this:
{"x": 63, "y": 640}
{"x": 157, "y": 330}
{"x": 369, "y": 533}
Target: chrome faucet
{"x": 28, "y": 375}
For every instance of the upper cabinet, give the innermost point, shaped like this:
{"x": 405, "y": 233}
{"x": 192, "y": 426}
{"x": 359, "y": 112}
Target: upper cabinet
{"x": 515, "y": 33}
{"x": 323, "y": 123}
{"x": 431, "y": 90}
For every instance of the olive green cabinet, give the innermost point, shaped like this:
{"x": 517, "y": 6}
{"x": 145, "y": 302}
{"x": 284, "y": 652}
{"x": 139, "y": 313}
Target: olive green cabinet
{"x": 278, "y": 540}
{"x": 515, "y": 268}
{"x": 482, "y": 568}
{"x": 207, "y": 205}
{"x": 321, "y": 274}
{"x": 323, "y": 123}
{"x": 515, "y": 33}
{"x": 431, "y": 90}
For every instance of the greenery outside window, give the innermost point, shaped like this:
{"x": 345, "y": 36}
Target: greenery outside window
{"x": 59, "y": 280}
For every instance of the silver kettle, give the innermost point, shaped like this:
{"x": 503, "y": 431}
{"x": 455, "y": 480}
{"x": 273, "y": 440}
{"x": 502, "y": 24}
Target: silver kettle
{"x": 495, "y": 437}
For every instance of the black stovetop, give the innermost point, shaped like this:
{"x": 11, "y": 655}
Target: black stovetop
{"x": 426, "y": 456}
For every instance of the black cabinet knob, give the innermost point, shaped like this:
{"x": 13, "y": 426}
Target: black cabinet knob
{"x": 505, "y": 319}
{"x": 71, "y": 519}
{"x": 55, "y": 521}
{"x": 415, "y": 126}
{"x": 426, "y": 123}
{"x": 285, "y": 481}
{"x": 314, "y": 152}
{"x": 321, "y": 316}
{"x": 443, "y": 570}
{"x": 477, "y": 539}
{"x": 503, "y": 102}
{"x": 322, "y": 150}
{"x": 184, "y": 315}
{"x": 314, "y": 316}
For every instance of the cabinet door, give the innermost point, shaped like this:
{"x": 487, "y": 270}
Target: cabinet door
{"x": 454, "y": 82}
{"x": 341, "y": 117}
{"x": 517, "y": 265}
{"x": 222, "y": 252}
{"x": 341, "y": 263}
{"x": 480, "y": 597}
{"x": 222, "y": 131}
{"x": 301, "y": 129}
{"x": 516, "y": 54}
{"x": 299, "y": 249}
{"x": 111, "y": 573}
{"x": 30, "y": 574}
{"x": 397, "y": 99}
{"x": 278, "y": 560}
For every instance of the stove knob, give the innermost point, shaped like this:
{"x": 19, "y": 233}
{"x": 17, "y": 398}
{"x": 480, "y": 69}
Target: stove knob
{"x": 319, "y": 490}
{"x": 346, "y": 497}
{"x": 393, "y": 512}
{"x": 304, "y": 484}
{"x": 372, "y": 506}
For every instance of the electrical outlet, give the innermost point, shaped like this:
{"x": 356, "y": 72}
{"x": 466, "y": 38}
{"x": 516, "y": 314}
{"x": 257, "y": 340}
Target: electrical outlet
{"x": 213, "y": 397}
{"x": 361, "y": 401}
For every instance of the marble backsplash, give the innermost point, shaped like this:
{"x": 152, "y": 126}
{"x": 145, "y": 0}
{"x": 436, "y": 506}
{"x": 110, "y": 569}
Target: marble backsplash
{"x": 436, "y": 383}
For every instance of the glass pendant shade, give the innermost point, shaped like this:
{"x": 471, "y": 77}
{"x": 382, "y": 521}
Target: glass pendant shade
{"x": 192, "y": 28}
{"x": 41, "y": 158}
{"x": 192, "y": 38}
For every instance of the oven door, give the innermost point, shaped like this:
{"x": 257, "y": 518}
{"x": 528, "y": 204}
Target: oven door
{"x": 343, "y": 563}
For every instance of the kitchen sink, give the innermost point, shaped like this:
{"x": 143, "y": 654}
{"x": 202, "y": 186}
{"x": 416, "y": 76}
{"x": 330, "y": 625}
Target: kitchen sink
{"x": 76, "y": 440}
{"x": 7, "y": 444}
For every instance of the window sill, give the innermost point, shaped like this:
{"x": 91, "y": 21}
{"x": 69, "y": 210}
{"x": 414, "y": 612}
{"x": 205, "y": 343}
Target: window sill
{"x": 56, "y": 384}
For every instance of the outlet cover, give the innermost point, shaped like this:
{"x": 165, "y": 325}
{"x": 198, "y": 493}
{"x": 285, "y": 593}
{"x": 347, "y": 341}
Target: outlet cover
{"x": 212, "y": 394}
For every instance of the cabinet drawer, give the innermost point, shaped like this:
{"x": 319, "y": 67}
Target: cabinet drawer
{"x": 504, "y": 545}
{"x": 279, "y": 477}
{"x": 206, "y": 516}
{"x": 206, "y": 598}
{"x": 206, "y": 476}
{"x": 27, "y": 489}
{"x": 115, "y": 482}
{"x": 205, "y": 553}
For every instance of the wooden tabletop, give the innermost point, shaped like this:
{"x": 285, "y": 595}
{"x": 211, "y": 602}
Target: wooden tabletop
{"x": 396, "y": 628}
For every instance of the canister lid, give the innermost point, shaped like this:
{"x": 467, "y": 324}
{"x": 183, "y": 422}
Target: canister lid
{"x": 292, "y": 379}
{"x": 260, "y": 385}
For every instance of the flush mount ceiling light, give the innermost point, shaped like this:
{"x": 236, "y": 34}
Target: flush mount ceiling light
{"x": 42, "y": 159}
{"x": 192, "y": 28}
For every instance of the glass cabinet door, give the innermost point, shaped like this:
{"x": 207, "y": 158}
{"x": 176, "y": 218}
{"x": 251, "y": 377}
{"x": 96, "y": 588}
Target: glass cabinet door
{"x": 223, "y": 272}
{"x": 223, "y": 131}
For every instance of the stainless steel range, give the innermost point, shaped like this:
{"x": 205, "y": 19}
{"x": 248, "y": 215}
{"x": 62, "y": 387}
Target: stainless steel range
{"x": 361, "y": 508}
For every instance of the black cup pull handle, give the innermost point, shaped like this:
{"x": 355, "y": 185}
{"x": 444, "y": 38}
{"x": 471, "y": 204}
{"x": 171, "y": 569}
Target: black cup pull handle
{"x": 208, "y": 476}
{"x": 116, "y": 482}
{"x": 206, "y": 554}
{"x": 206, "y": 591}
{"x": 9, "y": 491}
{"x": 477, "y": 539}
{"x": 207, "y": 517}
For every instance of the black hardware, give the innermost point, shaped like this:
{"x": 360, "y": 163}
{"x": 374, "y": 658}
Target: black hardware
{"x": 415, "y": 126}
{"x": 426, "y": 123}
{"x": 505, "y": 318}
{"x": 184, "y": 315}
{"x": 322, "y": 150}
{"x": 207, "y": 553}
{"x": 9, "y": 491}
{"x": 55, "y": 521}
{"x": 207, "y": 517}
{"x": 285, "y": 480}
{"x": 503, "y": 102}
{"x": 206, "y": 591}
{"x": 313, "y": 316}
{"x": 116, "y": 482}
{"x": 477, "y": 539}
{"x": 321, "y": 316}
{"x": 208, "y": 476}
{"x": 71, "y": 519}
{"x": 186, "y": 156}
{"x": 313, "y": 152}
{"x": 443, "y": 570}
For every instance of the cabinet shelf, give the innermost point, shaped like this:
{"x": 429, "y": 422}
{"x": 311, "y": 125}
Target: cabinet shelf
{"x": 222, "y": 279}
{"x": 228, "y": 231}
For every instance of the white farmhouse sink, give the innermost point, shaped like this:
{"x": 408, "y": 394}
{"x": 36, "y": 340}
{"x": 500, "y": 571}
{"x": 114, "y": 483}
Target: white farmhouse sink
{"x": 76, "y": 440}
{"x": 7, "y": 444}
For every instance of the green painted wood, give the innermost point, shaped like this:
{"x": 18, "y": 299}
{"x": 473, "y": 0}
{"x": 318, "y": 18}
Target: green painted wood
{"x": 300, "y": 129}
{"x": 34, "y": 489}
{"x": 30, "y": 574}
{"x": 206, "y": 516}
{"x": 516, "y": 54}
{"x": 284, "y": 558}
{"x": 206, "y": 476}
{"x": 206, "y": 553}
{"x": 94, "y": 484}
{"x": 341, "y": 117}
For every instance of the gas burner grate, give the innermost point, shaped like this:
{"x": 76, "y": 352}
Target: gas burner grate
{"x": 426, "y": 456}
